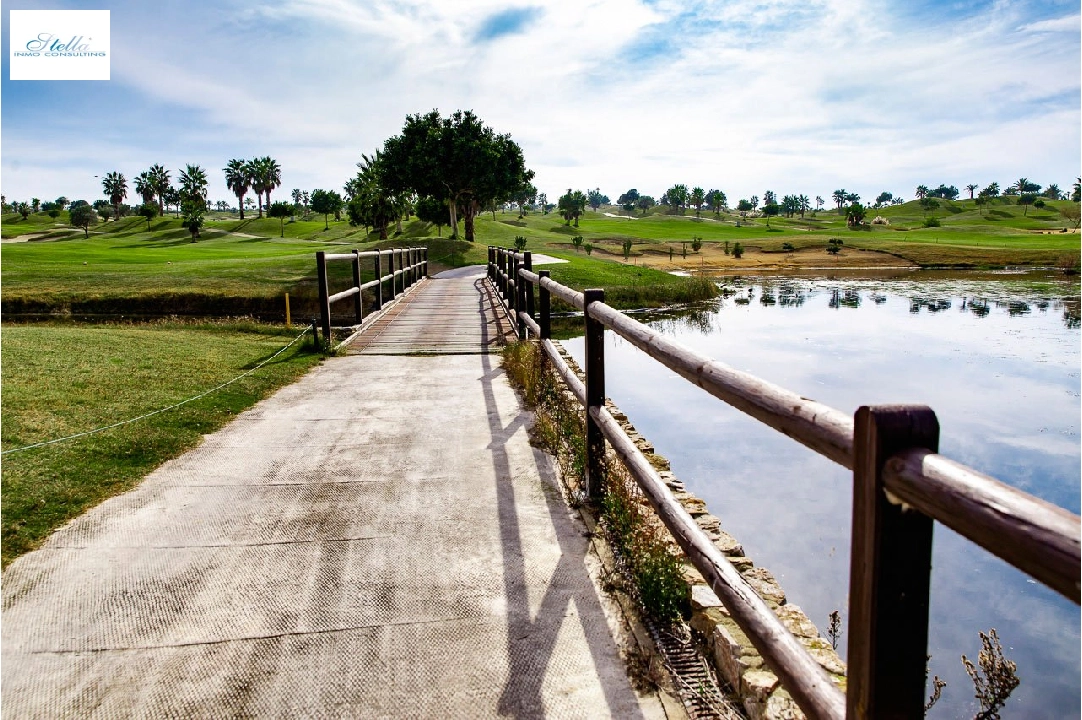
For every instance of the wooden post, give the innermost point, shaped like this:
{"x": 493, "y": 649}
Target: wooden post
{"x": 396, "y": 280}
{"x": 324, "y": 303}
{"x": 379, "y": 283}
{"x": 425, "y": 257}
{"x": 288, "y": 323}
{"x": 528, "y": 286}
{"x": 517, "y": 301}
{"x": 411, "y": 274}
{"x": 890, "y": 566}
{"x": 595, "y": 395}
{"x": 491, "y": 270}
{"x": 505, "y": 267}
{"x": 357, "y": 309}
{"x": 501, "y": 286}
{"x": 545, "y": 321}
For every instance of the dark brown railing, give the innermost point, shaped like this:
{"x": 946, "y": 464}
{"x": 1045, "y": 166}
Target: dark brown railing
{"x": 412, "y": 266}
{"x": 892, "y": 451}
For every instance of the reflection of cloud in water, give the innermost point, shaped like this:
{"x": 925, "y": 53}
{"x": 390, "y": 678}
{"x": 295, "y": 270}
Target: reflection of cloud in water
{"x": 1005, "y": 388}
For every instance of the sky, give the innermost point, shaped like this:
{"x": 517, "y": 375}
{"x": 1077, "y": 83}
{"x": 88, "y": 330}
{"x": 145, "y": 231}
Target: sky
{"x": 794, "y": 96}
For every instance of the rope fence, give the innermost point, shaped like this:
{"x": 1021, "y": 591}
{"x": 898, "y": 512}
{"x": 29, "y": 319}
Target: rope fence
{"x": 160, "y": 410}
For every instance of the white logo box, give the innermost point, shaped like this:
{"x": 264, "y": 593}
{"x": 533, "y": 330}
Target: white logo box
{"x": 59, "y": 44}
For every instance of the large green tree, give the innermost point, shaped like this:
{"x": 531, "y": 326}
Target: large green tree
{"x": 838, "y": 196}
{"x": 280, "y": 210}
{"x": 458, "y": 159}
{"x": 716, "y": 200}
{"x": 326, "y": 202}
{"x": 676, "y": 198}
{"x": 698, "y": 199}
{"x": 238, "y": 180}
{"x": 116, "y": 188}
{"x": 431, "y": 210}
{"x": 596, "y": 199}
{"x": 144, "y": 185}
{"x": 193, "y": 186}
{"x": 373, "y": 203}
{"x": 257, "y": 180}
{"x": 83, "y": 216}
{"x": 572, "y": 205}
{"x": 159, "y": 179}
{"x": 272, "y": 176}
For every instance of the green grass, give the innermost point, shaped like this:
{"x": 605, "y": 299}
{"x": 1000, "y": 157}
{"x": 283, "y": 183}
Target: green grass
{"x": 60, "y": 380}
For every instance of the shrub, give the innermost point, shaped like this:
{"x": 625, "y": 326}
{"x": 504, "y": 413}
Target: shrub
{"x": 520, "y": 243}
{"x": 577, "y": 242}
{"x": 931, "y": 221}
{"x": 588, "y": 248}
{"x": 738, "y": 251}
{"x": 788, "y": 247}
{"x": 696, "y": 244}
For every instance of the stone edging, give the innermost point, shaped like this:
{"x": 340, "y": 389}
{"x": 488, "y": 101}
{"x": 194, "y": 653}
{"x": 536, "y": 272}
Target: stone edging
{"x": 732, "y": 654}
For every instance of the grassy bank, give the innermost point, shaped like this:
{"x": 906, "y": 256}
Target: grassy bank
{"x": 60, "y": 380}
{"x": 240, "y": 265}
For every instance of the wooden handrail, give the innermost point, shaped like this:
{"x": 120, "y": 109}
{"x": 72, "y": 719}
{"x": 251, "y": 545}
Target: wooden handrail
{"x": 1007, "y": 522}
{"x": 800, "y": 674}
{"x": 410, "y": 274}
{"x": 896, "y": 469}
{"x": 827, "y": 431}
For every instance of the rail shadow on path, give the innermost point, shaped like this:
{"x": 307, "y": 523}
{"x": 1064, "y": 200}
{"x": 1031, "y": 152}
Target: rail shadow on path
{"x": 377, "y": 540}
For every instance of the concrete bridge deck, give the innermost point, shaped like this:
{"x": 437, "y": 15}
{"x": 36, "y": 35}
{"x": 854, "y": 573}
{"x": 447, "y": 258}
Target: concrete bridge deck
{"x": 376, "y": 540}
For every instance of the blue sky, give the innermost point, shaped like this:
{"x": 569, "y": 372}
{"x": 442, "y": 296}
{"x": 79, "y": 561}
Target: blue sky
{"x": 794, "y": 96}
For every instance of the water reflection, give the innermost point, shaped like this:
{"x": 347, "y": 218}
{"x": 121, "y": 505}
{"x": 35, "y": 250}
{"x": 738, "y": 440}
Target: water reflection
{"x": 844, "y": 298}
{"x": 1004, "y": 382}
{"x": 929, "y": 304}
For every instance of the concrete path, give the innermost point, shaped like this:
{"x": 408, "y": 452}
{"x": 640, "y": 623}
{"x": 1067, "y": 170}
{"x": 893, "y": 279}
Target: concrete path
{"x": 376, "y": 540}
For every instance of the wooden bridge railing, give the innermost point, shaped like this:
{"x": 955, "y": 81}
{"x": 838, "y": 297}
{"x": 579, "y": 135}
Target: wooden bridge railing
{"x": 901, "y": 486}
{"x": 412, "y": 265}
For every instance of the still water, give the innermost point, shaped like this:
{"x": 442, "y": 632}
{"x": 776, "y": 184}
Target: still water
{"x": 996, "y": 355}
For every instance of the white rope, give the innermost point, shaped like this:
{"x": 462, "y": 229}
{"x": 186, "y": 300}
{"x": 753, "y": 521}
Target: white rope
{"x": 161, "y": 410}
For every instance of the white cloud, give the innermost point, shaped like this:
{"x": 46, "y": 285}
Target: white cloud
{"x": 794, "y": 96}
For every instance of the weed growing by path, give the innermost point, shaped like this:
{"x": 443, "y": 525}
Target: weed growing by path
{"x": 647, "y": 556}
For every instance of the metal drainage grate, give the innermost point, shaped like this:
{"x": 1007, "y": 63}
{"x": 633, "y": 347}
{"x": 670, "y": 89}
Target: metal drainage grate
{"x": 698, "y": 687}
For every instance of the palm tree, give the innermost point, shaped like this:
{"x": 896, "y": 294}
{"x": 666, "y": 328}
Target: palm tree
{"x": 144, "y": 185}
{"x": 1052, "y": 192}
{"x": 839, "y": 198}
{"x": 237, "y": 179}
{"x": 116, "y": 187}
{"x": 159, "y": 180}
{"x": 272, "y": 176}
{"x": 819, "y": 202}
{"x": 698, "y": 199}
{"x": 193, "y": 186}
{"x": 922, "y": 192}
{"x": 255, "y": 179}
{"x": 971, "y": 188}
{"x": 804, "y": 204}
{"x": 1021, "y": 184}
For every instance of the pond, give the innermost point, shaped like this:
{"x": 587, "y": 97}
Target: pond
{"x": 996, "y": 355}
